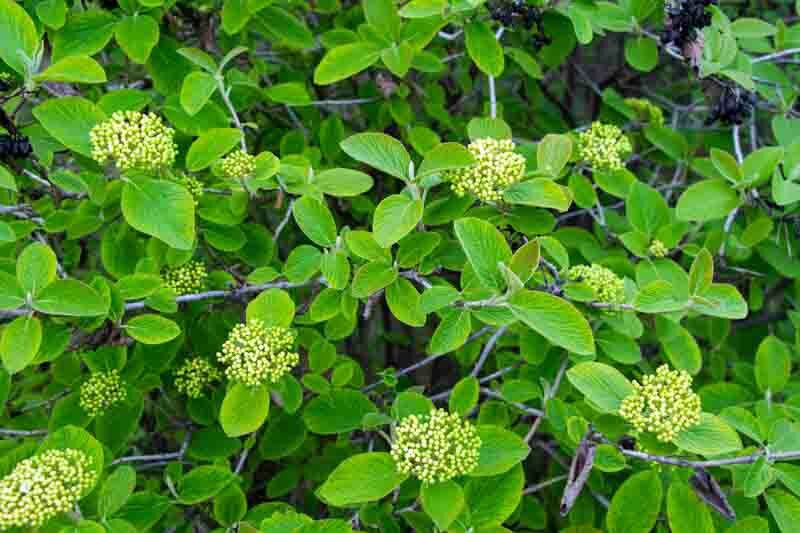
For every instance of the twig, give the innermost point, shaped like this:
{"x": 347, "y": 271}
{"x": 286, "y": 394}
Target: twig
{"x": 741, "y": 460}
{"x": 775, "y": 55}
{"x": 22, "y": 432}
{"x": 737, "y": 144}
{"x": 549, "y": 393}
{"x": 487, "y": 349}
{"x": 521, "y": 406}
{"x": 543, "y": 485}
{"x": 283, "y": 222}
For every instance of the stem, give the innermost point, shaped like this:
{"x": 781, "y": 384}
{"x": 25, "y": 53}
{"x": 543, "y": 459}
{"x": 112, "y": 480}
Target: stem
{"x": 226, "y": 97}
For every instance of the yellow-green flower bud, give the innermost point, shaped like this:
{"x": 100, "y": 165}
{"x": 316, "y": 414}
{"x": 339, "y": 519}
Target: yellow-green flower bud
{"x": 193, "y": 185}
{"x": 256, "y": 354}
{"x": 194, "y": 375}
{"x": 238, "y": 165}
{"x": 188, "y": 278}
{"x": 603, "y": 146}
{"x": 497, "y": 168}
{"x": 134, "y": 141}
{"x": 435, "y": 447}
{"x": 607, "y": 286}
{"x": 44, "y": 486}
{"x": 646, "y": 111}
{"x": 663, "y": 403}
{"x": 657, "y": 249}
{"x": 101, "y": 391}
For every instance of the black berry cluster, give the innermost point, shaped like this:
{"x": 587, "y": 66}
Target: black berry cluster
{"x": 519, "y": 14}
{"x": 685, "y": 19}
{"x": 15, "y": 146}
{"x": 733, "y": 107}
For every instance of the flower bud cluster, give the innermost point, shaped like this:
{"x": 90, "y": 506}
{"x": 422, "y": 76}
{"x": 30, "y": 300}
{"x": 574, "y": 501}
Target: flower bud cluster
{"x": 646, "y": 111}
{"x": 44, "y": 486}
{"x": 193, "y": 185}
{"x": 101, "y": 391}
{"x": 497, "y": 167}
{"x": 134, "y": 141}
{"x": 435, "y": 447}
{"x": 663, "y": 403}
{"x": 603, "y": 146}
{"x": 657, "y": 249}
{"x": 255, "y": 354}
{"x": 238, "y": 165}
{"x": 194, "y": 375}
{"x": 185, "y": 279}
{"x": 607, "y": 286}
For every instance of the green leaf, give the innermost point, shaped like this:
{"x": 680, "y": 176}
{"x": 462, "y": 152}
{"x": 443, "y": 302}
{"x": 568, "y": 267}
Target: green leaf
{"x": 7, "y": 180}
{"x": 701, "y": 273}
{"x": 203, "y": 483}
{"x": 404, "y": 302}
{"x": 371, "y": 278}
{"x": 641, "y": 53}
{"x": 555, "y": 319}
{"x": 363, "y": 478}
{"x": 646, "y": 209}
{"x": 315, "y": 220}
{"x": 525, "y": 61}
{"x": 343, "y": 182}
{"x": 18, "y": 36}
{"x": 197, "y": 88}
{"x": 710, "y": 437}
{"x": 395, "y": 217}
{"x": 669, "y": 141}
{"x": 773, "y": 365}
{"x": 539, "y": 192}
{"x": 382, "y": 16}
{"x": 492, "y": 500}
{"x": 162, "y": 209}
{"x": 290, "y": 93}
{"x": 379, "y": 151}
{"x": 485, "y": 248}
{"x": 230, "y": 505}
{"x": 244, "y": 409}
{"x": 289, "y": 30}
{"x": 484, "y": 49}
{"x": 70, "y": 120}
{"x": 274, "y": 307}
{"x": 707, "y": 200}
{"x": 785, "y": 509}
{"x": 346, "y": 60}
{"x": 553, "y": 153}
{"x": 603, "y": 386}
{"x": 36, "y": 267}
{"x": 723, "y": 301}
{"x": 500, "y": 451}
{"x": 443, "y": 502}
{"x": 685, "y": 511}
{"x": 20, "y": 343}
{"x": 752, "y": 28}
{"x": 726, "y": 165}
{"x": 339, "y": 411}
{"x": 116, "y": 490}
{"x": 465, "y": 396}
{"x": 137, "y": 35}
{"x": 74, "y": 69}
{"x": 53, "y": 13}
{"x": 636, "y": 504}
{"x": 210, "y": 146}
{"x": 85, "y": 34}
{"x": 70, "y": 297}
{"x": 11, "y": 294}
{"x": 482, "y": 127}
{"x": 152, "y": 329}
{"x": 445, "y": 156}
{"x": 452, "y": 332}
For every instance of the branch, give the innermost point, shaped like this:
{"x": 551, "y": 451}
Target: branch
{"x": 22, "y": 432}
{"x": 741, "y": 460}
{"x": 487, "y": 350}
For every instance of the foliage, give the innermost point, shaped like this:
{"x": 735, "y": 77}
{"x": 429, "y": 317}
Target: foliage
{"x": 429, "y": 265}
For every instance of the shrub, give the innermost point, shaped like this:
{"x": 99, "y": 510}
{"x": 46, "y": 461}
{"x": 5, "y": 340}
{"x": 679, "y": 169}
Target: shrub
{"x": 428, "y": 265}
